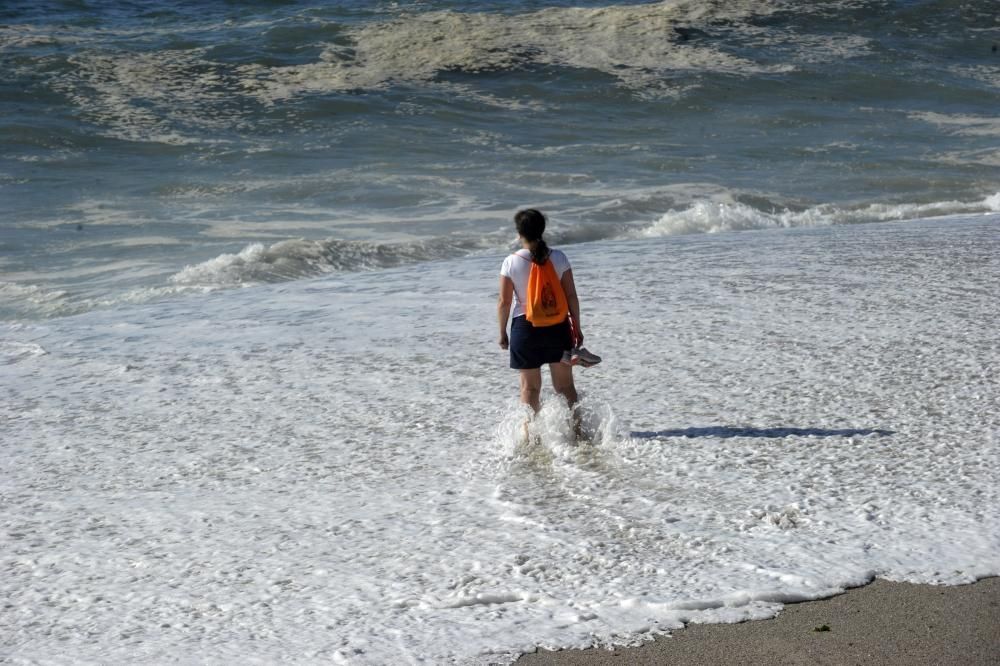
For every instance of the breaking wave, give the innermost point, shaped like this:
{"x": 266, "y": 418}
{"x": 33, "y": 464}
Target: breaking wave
{"x": 714, "y": 217}
{"x": 297, "y": 259}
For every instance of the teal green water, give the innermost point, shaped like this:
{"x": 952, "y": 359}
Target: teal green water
{"x": 138, "y": 139}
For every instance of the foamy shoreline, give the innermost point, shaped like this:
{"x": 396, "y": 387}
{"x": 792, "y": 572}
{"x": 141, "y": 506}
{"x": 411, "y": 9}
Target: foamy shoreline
{"x": 316, "y": 471}
{"x": 882, "y": 623}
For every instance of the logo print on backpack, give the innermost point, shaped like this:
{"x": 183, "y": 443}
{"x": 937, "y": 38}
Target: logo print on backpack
{"x": 550, "y": 306}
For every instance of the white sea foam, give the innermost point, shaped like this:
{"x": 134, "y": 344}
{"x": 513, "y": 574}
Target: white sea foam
{"x": 984, "y": 73}
{"x": 985, "y": 157}
{"x": 964, "y": 124}
{"x": 635, "y": 44}
{"x": 31, "y": 301}
{"x": 25, "y": 36}
{"x": 169, "y": 97}
{"x": 94, "y": 211}
{"x": 312, "y": 471}
{"x": 92, "y": 272}
{"x": 138, "y": 241}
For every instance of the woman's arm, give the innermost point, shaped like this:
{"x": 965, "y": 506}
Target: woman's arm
{"x": 569, "y": 288}
{"x": 503, "y": 308}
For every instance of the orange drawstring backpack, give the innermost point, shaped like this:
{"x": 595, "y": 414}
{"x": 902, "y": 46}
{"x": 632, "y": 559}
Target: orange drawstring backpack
{"x": 546, "y": 303}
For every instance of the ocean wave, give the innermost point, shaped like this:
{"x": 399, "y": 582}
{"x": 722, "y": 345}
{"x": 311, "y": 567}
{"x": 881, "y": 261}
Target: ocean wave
{"x": 12, "y": 351}
{"x": 715, "y": 217}
{"x": 29, "y": 299}
{"x": 296, "y": 259}
{"x": 300, "y": 258}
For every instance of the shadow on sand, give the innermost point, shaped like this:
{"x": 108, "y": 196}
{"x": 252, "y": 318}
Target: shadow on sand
{"x": 725, "y": 432}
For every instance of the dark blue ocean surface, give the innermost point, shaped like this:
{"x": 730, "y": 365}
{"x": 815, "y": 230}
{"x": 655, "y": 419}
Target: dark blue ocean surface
{"x": 262, "y": 141}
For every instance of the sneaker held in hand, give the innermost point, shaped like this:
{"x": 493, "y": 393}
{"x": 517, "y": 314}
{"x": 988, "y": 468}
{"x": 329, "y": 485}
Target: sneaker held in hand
{"x": 581, "y": 356}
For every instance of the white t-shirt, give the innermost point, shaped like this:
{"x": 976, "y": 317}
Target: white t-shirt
{"x": 517, "y": 267}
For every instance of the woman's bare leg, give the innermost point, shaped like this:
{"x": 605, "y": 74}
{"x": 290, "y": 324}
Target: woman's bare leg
{"x": 531, "y": 387}
{"x": 531, "y": 391}
{"x": 562, "y": 382}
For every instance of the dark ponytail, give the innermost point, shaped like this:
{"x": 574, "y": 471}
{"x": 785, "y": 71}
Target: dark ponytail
{"x": 530, "y": 225}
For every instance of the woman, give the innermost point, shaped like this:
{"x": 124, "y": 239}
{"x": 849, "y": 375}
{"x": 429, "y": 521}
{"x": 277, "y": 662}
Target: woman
{"x": 531, "y": 347}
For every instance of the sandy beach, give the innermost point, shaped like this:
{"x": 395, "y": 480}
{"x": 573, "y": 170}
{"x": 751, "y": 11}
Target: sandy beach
{"x": 880, "y": 623}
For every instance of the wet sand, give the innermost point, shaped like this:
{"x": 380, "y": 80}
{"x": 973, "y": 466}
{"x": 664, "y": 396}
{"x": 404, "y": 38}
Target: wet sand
{"x": 880, "y": 623}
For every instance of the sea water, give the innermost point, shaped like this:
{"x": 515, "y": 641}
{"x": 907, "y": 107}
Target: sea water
{"x": 335, "y": 468}
{"x": 149, "y": 150}
{"x": 253, "y": 406}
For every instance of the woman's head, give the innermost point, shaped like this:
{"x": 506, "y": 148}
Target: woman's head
{"x": 530, "y": 225}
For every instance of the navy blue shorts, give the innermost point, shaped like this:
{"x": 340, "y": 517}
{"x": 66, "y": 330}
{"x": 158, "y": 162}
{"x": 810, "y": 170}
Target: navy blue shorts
{"x": 534, "y": 346}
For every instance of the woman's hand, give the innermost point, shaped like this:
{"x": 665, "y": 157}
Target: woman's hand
{"x": 579, "y": 337}
{"x": 504, "y": 342}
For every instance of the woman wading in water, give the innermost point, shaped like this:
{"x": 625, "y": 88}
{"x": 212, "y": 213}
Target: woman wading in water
{"x": 531, "y": 347}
